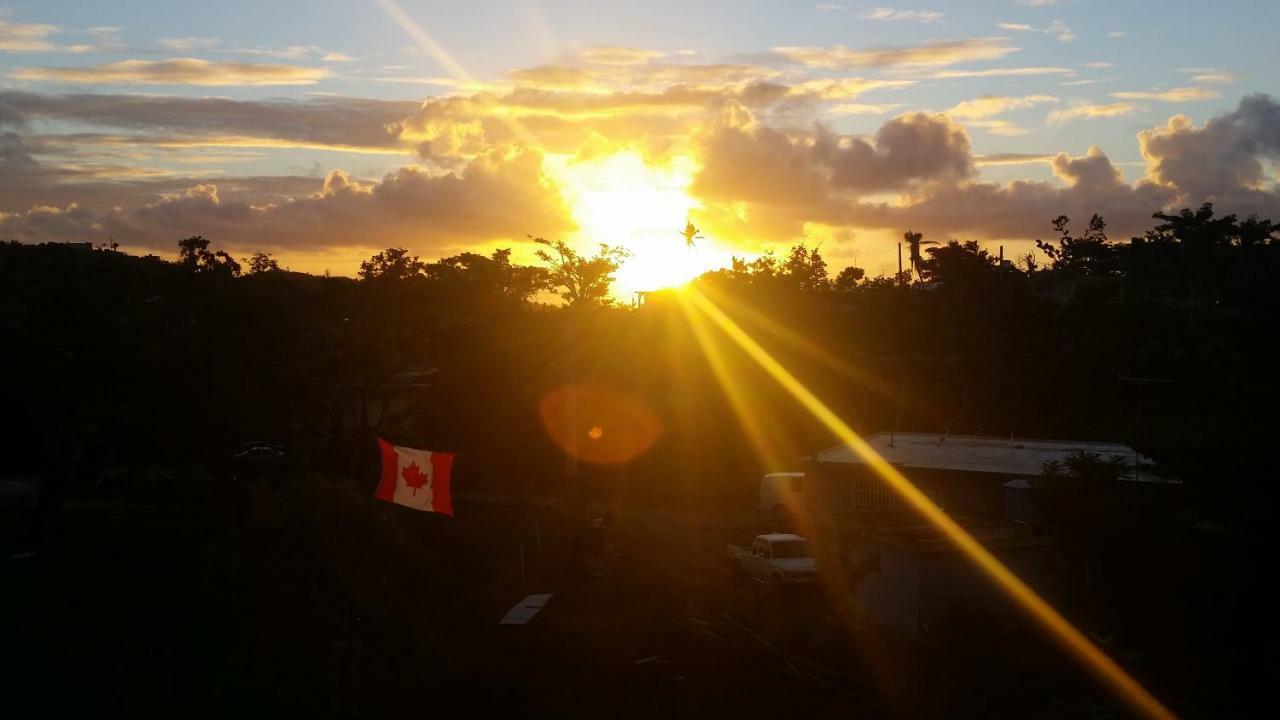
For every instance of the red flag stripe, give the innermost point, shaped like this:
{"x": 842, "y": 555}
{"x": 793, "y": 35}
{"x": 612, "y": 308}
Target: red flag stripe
{"x": 387, "y": 485}
{"x": 441, "y": 468}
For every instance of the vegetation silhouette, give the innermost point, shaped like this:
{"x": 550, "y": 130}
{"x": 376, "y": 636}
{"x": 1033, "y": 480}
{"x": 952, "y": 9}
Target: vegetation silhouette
{"x": 177, "y": 364}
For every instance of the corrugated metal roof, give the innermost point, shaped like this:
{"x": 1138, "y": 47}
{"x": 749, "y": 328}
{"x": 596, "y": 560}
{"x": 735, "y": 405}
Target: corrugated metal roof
{"x": 978, "y": 453}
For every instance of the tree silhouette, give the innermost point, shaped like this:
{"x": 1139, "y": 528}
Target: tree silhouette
{"x": 805, "y": 268}
{"x": 261, "y": 262}
{"x": 914, "y": 241}
{"x": 849, "y": 278}
{"x": 392, "y": 264}
{"x": 1087, "y": 253}
{"x": 194, "y": 254}
{"x": 494, "y": 275}
{"x": 958, "y": 264}
{"x": 581, "y": 281}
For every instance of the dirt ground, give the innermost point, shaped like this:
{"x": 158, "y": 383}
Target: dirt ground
{"x": 312, "y": 600}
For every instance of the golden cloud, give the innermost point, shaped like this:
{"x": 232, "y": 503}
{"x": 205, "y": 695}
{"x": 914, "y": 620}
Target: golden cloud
{"x": 617, "y": 55}
{"x": 1087, "y": 111}
{"x": 1178, "y": 94}
{"x": 989, "y": 105}
{"x": 25, "y": 37}
{"x": 998, "y": 127}
{"x": 1001, "y": 72}
{"x": 947, "y": 52}
{"x": 175, "y": 71}
{"x": 499, "y": 195}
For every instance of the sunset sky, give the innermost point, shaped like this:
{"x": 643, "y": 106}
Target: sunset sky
{"x": 323, "y": 132}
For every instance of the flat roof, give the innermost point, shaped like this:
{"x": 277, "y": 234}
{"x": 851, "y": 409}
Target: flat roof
{"x": 979, "y": 453}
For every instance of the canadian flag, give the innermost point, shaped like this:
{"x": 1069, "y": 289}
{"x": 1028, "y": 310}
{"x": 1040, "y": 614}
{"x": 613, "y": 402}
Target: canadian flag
{"x": 415, "y": 478}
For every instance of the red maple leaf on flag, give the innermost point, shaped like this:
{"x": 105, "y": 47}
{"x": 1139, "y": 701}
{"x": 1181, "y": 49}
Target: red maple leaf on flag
{"x": 414, "y": 477}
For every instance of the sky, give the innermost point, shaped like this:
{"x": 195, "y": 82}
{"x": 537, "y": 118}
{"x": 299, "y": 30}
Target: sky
{"x": 323, "y": 132}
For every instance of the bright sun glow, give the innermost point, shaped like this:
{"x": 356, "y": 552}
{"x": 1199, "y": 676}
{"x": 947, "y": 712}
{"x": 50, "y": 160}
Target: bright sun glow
{"x": 620, "y": 199}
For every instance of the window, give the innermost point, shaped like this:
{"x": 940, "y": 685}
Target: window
{"x": 790, "y": 549}
{"x": 871, "y": 494}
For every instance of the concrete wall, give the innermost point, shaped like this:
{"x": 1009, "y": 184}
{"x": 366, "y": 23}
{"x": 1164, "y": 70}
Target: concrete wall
{"x": 891, "y": 595}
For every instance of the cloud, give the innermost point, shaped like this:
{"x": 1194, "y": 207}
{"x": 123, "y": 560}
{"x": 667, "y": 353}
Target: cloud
{"x": 768, "y": 167}
{"x": 779, "y": 183}
{"x": 1116, "y": 34}
{"x": 10, "y": 117}
{"x": 337, "y": 57}
{"x": 1001, "y": 72}
{"x": 497, "y": 196}
{"x": 324, "y": 122}
{"x": 1011, "y": 159}
{"x": 176, "y": 71}
{"x": 934, "y": 54}
{"x": 989, "y": 105}
{"x": 863, "y": 108}
{"x": 565, "y": 118}
{"x": 1060, "y": 30}
{"x": 637, "y": 76}
{"x": 1020, "y": 209}
{"x": 1036, "y": 3}
{"x": 1214, "y": 76}
{"x": 1089, "y": 111}
{"x": 842, "y": 88}
{"x": 890, "y": 14}
{"x": 1057, "y": 28}
{"x": 1178, "y": 94}
{"x": 1225, "y": 157}
{"x": 998, "y": 127}
{"x": 617, "y": 55}
{"x": 25, "y": 37}
{"x": 187, "y": 44}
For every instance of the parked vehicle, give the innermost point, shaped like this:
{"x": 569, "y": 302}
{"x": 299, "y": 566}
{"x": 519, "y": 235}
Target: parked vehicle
{"x": 780, "y": 558}
{"x": 782, "y": 495}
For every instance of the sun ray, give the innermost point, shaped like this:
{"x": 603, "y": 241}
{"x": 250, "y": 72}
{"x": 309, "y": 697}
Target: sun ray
{"x": 1090, "y": 655}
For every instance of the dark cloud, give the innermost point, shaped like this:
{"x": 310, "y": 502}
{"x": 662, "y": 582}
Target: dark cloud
{"x": 1022, "y": 209}
{"x": 769, "y": 166}
{"x": 498, "y": 195}
{"x": 909, "y": 148}
{"x": 782, "y": 180}
{"x": 330, "y": 121}
{"x": 10, "y": 117}
{"x": 14, "y": 158}
{"x": 1224, "y": 156}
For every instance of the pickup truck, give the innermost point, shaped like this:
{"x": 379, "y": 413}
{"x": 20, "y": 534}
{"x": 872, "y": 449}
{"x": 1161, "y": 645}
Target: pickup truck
{"x": 774, "y": 558}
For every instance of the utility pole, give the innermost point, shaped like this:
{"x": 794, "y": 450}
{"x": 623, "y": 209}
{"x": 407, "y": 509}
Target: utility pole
{"x": 899, "y": 262}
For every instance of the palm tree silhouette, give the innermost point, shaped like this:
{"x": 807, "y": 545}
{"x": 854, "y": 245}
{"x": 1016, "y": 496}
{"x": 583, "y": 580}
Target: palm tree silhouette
{"x": 914, "y": 241}
{"x": 690, "y": 233}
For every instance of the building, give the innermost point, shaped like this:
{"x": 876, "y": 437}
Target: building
{"x": 963, "y": 474}
{"x": 902, "y": 571}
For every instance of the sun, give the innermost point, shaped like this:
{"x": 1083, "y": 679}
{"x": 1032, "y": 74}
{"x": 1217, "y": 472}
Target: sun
{"x": 620, "y": 199}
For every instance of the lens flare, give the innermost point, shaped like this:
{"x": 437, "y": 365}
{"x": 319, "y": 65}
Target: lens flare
{"x": 1092, "y": 657}
{"x": 598, "y": 424}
